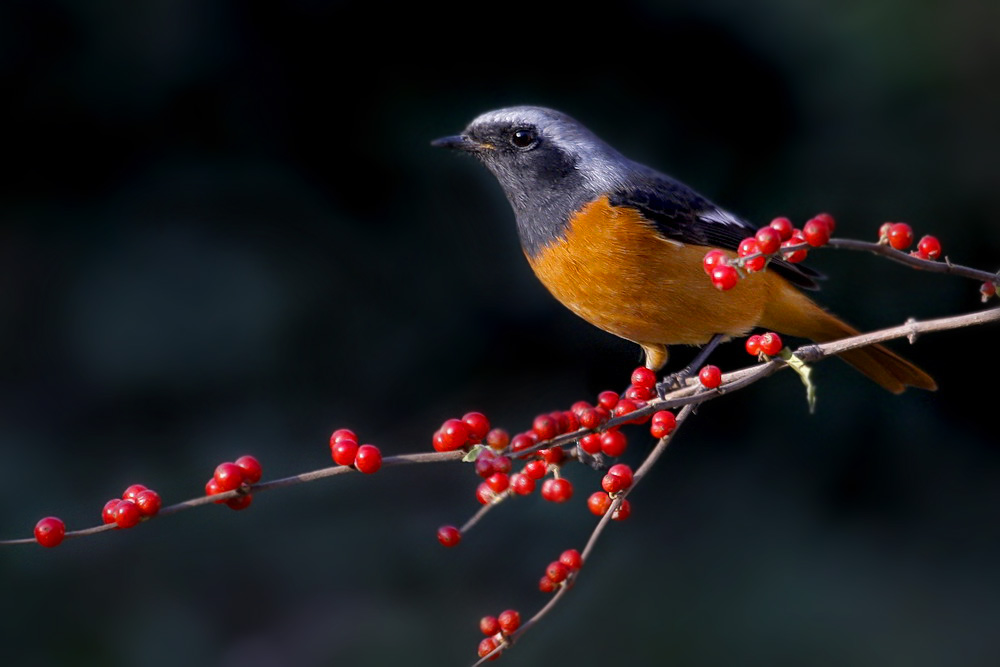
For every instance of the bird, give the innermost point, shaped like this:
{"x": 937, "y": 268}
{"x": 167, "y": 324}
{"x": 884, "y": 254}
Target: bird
{"x": 622, "y": 246}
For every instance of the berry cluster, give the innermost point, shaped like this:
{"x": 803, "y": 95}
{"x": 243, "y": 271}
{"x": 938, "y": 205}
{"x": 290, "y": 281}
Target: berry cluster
{"x": 899, "y": 235}
{"x": 754, "y": 252}
{"x": 544, "y": 449}
{"x": 764, "y": 345}
{"x": 237, "y": 475}
{"x": 137, "y": 503}
{"x": 560, "y": 572}
{"x": 345, "y": 451}
{"x": 617, "y": 480}
{"x": 461, "y": 433}
{"x": 497, "y": 629}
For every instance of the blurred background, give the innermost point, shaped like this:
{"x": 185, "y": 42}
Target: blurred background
{"x": 223, "y": 231}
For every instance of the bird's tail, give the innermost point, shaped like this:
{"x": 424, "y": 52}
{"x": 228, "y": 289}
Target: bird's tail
{"x": 792, "y": 312}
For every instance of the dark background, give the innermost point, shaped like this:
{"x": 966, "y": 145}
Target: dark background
{"x": 222, "y": 231}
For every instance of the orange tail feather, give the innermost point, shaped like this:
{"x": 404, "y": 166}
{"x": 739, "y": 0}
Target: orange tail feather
{"x": 791, "y": 312}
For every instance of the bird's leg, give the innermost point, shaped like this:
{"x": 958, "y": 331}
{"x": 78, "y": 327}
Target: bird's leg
{"x": 674, "y": 380}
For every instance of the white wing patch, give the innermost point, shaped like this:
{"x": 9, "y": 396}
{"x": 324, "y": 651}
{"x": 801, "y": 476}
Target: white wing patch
{"x": 724, "y": 217}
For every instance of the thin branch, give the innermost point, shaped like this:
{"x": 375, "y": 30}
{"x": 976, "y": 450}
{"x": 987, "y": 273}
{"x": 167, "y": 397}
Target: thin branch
{"x": 644, "y": 468}
{"x": 689, "y": 395}
{"x": 901, "y": 257}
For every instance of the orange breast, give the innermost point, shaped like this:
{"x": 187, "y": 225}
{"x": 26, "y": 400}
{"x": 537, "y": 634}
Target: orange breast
{"x": 613, "y": 269}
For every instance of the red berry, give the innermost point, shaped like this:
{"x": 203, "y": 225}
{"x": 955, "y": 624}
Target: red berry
{"x": 768, "y": 240}
{"x": 484, "y": 494}
{"x": 607, "y": 399}
{"x": 545, "y": 427}
{"x": 710, "y": 376}
{"x": 612, "y": 484}
{"x": 522, "y": 484}
{"x": 536, "y": 469}
{"x": 828, "y": 220}
{"x": 546, "y": 585}
{"x": 487, "y": 646}
{"x": 572, "y": 559}
{"x": 484, "y": 464}
{"x": 724, "y": 277}
{"x": 148, "y": 502}
{"x": 783, "y": 226}
{"x": 562, "y": 421}
{"x": 644, "y": 377}
{"x": 591, "y": 443}
{"x": 900, "y": 236}
{"x": 449, "y": 536}
{"x": 613, "y": 443}
{"x": 454, "y": 435}
{"x": 930, "y": 247}
{"x": 479, "y": 425}
{"x": 240, "y": 502}
{"x": 639, "y": 393}
{"x": 598, "y": 503}
{"x": 523, "y": 441}
{"x": 251, "y": 468}
{"x": 572, "y": 421}
{"x": 624, "y": 472}
{"x": 553, "y": 455}
{"x": 753, "y": 345}
{"x": 368, "y": 460}
{"x": 108, "y": 513}
{"x": 497, "y": 439}
{"x": 557, "y": 571}
{"x": 748, "y": 246}
{"x": 557, "y": 490}
{"x": 589, "y": 418}
{"x": 579, "y": 407}
{"x": 625, "y": 406}
{"x": 131, "y": 492}
{"x": 228, "y": 476}
{"x": 344, "y": 452}
{"x": 489, "y": 625}
{"x": 713, "y": 259}
{"x": 438, "y": 442}
{"x": 771, "y": 344}
{"x": 509, "y": 621}
{"x": 794, "y": 256}
{"x": 212, "y": 488}
{"x": 50, "y": 531}
{"x": 342, "y": 434}
{"x": 127, "y": 514}
{"x": 816, "y": 232}
{"x": 987, "y": 290}
{"x": 498, "y": 482}
{"x": 663, "y": 424}
{"x": 883, "y": 232}
{"x": 623, "y": 512}
{"x": 501, "y": 464}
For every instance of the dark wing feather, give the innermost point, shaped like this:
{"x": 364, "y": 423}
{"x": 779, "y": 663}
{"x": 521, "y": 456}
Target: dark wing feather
{"x": 681, "y": 214}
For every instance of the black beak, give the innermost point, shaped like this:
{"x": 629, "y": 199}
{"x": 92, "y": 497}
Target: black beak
{"x": 457, "y": 142}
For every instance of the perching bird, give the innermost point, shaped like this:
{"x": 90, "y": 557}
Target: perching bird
{"x": 621, "y": 245}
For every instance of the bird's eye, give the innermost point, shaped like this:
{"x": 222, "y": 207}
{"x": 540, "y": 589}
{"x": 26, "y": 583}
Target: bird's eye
{"x": 523, "y": 138}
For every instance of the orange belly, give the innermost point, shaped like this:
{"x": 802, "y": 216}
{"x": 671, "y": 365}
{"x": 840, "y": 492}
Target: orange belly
{"x": 613, "y": 269}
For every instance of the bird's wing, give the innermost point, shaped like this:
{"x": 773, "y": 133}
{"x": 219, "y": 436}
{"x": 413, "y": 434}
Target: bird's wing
{"x": 681, "y": 214}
